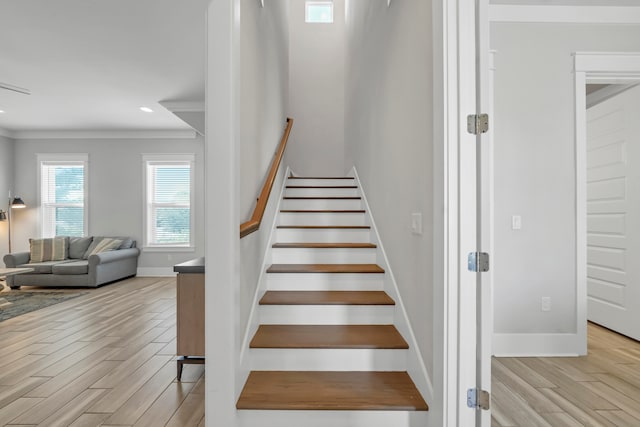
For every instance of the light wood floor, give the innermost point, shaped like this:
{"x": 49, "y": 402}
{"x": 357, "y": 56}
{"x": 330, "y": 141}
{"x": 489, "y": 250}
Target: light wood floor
{"x": 106, "y": 358}
{"x": 601, "y": 389}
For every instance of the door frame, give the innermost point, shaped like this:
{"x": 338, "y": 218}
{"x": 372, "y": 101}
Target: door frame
{"x": 591, "y": 67}
{"x": 464, "y": 26}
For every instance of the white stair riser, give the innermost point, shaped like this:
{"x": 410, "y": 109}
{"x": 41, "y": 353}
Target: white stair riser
{"x": 324, "y": 282}
{"x": 321, "y": 204}
{"x": 257, "y": 418}
{"x": 326, "y": 314}
{"x": 301, "y": 235}
{"x": 290, "y": 218}
{"x": 323, "y": 256}
{"x": 325, "y": 182}
{"x": 301, "y": 359}
{"x": 321, "y": 192}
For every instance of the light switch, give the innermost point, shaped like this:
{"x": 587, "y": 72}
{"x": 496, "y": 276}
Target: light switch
{"x": 516, "y": 222}
{"x": 416, "y": 223}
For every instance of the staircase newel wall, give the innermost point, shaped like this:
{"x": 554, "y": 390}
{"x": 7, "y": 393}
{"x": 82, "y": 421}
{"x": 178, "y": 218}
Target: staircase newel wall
{"x": 265, "y": 238}
{"x": 262, "y": 104}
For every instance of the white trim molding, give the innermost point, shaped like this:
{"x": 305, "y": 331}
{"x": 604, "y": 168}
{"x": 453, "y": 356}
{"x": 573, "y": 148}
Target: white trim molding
{"x": 183, "y": 106}
{"x": 7, "y": 133}
{"x": 536, "y": 345}
{"x": 104, "y": 134}
{"x": 564, "y": 14}
{"x": 155, "y": 272}
{"x": 591, "y": 67}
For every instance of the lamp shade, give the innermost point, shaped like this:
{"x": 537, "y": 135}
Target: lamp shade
{"x": 17, "y": 203}
{"x": 3, "y": 216}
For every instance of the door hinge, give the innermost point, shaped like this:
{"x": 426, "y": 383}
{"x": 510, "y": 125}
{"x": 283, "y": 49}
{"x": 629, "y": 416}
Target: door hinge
{"x": 478, "y": 262}
{"x": 477, "y": 123}
{"x": 478, "y": 399}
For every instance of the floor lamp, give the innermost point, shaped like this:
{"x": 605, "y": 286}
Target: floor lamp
{"x": 16, "y": 203}
{"x": 3, "y": 215}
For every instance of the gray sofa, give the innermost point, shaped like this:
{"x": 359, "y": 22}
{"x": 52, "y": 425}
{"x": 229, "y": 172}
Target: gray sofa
{"x": 78, "y": 269}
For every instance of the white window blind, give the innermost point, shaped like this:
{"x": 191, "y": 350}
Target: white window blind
{"x": 62, "y": 198}
{"x": 168, "y": 203}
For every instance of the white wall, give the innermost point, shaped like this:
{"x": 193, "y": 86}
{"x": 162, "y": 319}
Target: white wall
{"x": 316, "y": 101}
{"x": 263, "y": 104}
{"x": 6, "y": 181}
{"x": 115, "y": 191}
{"x": 535, "y": 178}
{"x": 247, "y": 96}
{"x": 389, "y": 134}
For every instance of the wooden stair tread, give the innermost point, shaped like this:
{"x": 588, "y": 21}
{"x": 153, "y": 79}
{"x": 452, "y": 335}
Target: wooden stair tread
{"x": 325, "y": 268}
{"x": 329, "y": 336}
{"x": 324, "y": 245}
{"x": 321, "y": 177}
{"x": 326, "y": 298}
{"x": 322, "y": 211}
{"x": 326, "y": 227}
{"x": 322, "y": 198}
{"x": 322, "y": 186}
{"x": 322, "y": 390}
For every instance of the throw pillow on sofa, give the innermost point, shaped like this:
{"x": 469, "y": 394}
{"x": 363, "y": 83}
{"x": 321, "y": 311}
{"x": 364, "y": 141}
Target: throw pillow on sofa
{"x": 78, "y": 246}
{"x": 50, "y": 249}
{"x": 103, "y": 245}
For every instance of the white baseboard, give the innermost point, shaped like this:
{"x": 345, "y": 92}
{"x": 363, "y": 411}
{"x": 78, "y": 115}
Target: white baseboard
{"x": 536, "y": 345}
{"x": 155, "y": 271}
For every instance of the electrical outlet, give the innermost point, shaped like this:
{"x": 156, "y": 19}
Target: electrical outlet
{"x": 516, "y": 222}
{"x": 416, "y": 223}
{"x": 545, "y": 304}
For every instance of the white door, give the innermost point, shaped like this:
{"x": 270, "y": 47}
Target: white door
{"x": 613, "y": 213}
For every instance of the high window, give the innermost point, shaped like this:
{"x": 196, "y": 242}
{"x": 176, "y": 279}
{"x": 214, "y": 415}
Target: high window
{"x": 319, "y": 12}
{"x": 168, "y": 201}
{"x": 62, "y": 194}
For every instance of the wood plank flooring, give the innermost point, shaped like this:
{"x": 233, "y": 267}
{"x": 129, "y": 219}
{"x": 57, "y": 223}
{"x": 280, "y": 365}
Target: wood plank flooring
{"x": 105, "y": 358}
{"x": 600, "y": 389}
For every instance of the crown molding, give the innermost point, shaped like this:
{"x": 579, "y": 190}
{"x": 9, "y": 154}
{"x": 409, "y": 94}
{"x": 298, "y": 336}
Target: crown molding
{"x": 104, "y": 134}
{"x": 564, "y": 14}
{"x": 7, "y": 133}
{"x": 183, "y": 106}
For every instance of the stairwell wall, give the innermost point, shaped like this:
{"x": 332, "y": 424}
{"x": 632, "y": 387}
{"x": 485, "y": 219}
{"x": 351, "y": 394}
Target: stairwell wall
{"x": 6, "y": 183}
{"x": 316, "y": 101}
{"x": 263, "y": 97}
{"x": 388, "y": 129}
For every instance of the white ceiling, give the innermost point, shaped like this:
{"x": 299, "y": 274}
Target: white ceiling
{"x": 90, "y": 64}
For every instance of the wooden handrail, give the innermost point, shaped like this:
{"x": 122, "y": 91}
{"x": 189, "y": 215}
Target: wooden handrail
{"x": 253, "y": 224}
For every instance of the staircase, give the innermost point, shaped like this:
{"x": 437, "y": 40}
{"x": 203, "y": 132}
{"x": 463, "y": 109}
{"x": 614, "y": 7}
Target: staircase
{"x": 326, "y": 339}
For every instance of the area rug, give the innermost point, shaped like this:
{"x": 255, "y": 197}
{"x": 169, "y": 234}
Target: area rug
{"x": 15, "y": 303}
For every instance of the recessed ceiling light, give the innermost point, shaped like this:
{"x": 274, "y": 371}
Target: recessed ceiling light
{"x": 146, "y": 109}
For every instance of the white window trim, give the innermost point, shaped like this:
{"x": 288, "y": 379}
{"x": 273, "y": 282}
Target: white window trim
{"x": 62, "y": 158}
{"x": 182, "y": 157}
{"x": 318, "y": 3}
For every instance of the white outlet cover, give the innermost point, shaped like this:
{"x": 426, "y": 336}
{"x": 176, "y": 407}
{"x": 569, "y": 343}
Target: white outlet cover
{"x": 416, "y": 223}
{"x": 516, "y": 222}
{"x": 545, "y": 304}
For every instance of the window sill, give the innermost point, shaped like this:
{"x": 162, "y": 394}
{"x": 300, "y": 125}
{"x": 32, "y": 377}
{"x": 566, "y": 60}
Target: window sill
{"x": 169, "y": 249}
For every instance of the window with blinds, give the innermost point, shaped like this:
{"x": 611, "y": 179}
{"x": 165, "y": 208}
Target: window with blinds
{"x": 168, "y": 213}
{"x": 62, "y": 196}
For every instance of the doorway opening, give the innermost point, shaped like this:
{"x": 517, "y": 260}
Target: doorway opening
{"x": 606, "y": 178}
